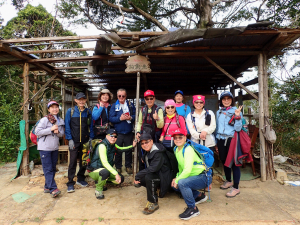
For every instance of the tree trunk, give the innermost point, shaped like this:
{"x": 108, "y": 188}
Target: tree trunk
{"x": 204, "y": 10}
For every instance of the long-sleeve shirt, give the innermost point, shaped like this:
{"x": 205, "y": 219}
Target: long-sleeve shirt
{"x": 186, "y": 165}
{"x": 168, "y": 130}
{"x": 49, "y": 141}
{"x": 199, "y": 126}
{"x": 159, "y": 122}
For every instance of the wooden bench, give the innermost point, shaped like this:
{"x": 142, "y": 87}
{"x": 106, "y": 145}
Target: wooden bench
{"x": 63, "y": 149}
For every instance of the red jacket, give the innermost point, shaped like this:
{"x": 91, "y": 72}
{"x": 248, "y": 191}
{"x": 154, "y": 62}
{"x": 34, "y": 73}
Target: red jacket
{"x": 239, "y": 149}
{"x": 169, "y": 129}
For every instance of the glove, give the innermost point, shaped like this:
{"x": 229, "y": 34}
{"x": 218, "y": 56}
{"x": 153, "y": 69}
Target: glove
{"x": 71, "y": 144}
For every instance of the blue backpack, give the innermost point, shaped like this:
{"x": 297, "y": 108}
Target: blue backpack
{"x": 206, "y": 155}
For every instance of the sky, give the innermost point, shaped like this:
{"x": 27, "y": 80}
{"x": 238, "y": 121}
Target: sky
{"x": 7, "y": 12}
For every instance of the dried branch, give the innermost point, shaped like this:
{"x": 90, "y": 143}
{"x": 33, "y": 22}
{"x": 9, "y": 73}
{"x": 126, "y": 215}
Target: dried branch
{"x": 259, "y": 9}
{"x": 117, "y": 7}
{"x": 176, "y": 10}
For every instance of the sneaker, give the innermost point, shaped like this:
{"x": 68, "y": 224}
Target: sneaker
{"x": 226, "y": 185}
{"x": 99, "y": 195}
{"x": 150, "y": 208}
{"x": 232, "y": 193}
{"x": 189, "y": 213}
{"x": 70, "y": 189}
{"x": 119, "y": 170}
{"x": 46, "y": 190}
{"x": 129, "y": 170}
{"x": 55, "y": 193}
{"x": 82, "y": 183}
{"x": 201, "y": 198}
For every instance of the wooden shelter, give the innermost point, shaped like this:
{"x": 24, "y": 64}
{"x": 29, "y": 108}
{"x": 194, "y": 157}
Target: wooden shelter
{"x": 194, "y": 61}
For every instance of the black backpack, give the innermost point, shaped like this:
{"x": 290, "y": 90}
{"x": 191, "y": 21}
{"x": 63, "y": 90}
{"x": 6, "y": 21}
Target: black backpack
{"x": 173, "y": 163}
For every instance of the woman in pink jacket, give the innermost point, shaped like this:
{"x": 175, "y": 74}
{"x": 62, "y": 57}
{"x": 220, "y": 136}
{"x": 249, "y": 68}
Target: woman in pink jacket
{"x": 172, "y": 122}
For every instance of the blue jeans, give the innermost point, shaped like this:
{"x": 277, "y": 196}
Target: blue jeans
{"x": 49, "y": 160}
{"x": 189, "y": 188}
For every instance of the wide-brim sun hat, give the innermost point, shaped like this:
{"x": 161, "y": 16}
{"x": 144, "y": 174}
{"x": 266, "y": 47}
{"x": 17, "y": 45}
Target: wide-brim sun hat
{"x": 106, "y": 91}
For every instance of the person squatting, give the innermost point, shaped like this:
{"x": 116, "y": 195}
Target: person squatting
{"x": 167, "y": 142}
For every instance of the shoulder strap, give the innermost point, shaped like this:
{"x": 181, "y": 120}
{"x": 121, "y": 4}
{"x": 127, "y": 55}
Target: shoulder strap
{"x": 72, "y": 111}
{"x": 193, "y": 120}
{"x": 183, "y": 150}
{"x": 177, "y": 120}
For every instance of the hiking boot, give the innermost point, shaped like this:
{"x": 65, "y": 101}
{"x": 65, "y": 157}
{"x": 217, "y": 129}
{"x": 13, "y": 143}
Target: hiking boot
{"x": 99, "y": 195}
{"x": 119, "y": 170}
{"x": 55, "y": 193}
{"x": 232, "y": 193}
{"x": 226, "y": 185}
{"x": 129, "y": 170}
{"x": 70, "y": 189}
{"x": 189, "y": 213}
{"x": 201, "y": 198}
{"x": 150, "y": 208}
{"x": 46, "y": 190}
{"x": 82, "y": 183}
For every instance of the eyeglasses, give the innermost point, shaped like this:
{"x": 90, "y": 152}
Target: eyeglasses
{"x": 121, "y": 96}
{"x": 145, "y": 143}
{"x": 196, "y": 102}
{"x": 178, "y": 138}
{"x": 170, "y": 107}
{"x": 149, "y": 99}
{"x": 113, "y": 136}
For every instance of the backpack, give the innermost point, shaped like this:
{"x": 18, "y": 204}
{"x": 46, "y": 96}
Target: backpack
{"x": 173, "y": 163}
{"x": 205, "y": 154}
{"x": 33, "y": 137}
{"x": 87, "y": 153}
{"x": 148, "y": 128}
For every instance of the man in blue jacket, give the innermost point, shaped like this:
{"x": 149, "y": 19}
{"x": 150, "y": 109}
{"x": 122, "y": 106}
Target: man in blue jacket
{"x": 78, "y": 130}
{"x": 122, "y": 115}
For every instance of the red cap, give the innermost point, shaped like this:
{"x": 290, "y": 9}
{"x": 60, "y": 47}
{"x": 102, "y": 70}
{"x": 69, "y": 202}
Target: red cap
{"x": 179, "y": 131}
{"x": 149, "y": 93}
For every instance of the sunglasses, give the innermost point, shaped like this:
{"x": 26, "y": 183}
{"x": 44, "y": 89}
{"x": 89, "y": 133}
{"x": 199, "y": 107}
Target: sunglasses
{"x": 170, "y": 107}
{"x": 196, "y": 102}
{"x": 178, "y": 138}
{"x": 145, "y": 143}
{"x": 113, "y": 136}
{"x": 149, "y": 99}
{"x": 121, "y": 96}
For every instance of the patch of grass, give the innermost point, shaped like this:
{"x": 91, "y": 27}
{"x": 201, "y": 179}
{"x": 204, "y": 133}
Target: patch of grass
{"x": 37, "y": 219}
{"x": 60, "y": 219}
{"x": 2, "y": 164}
{"x": 82, "y": 223}
{"x": 100, "y": 219}
{"x": 85, "y": 219}
{"x": 21, "y": 221}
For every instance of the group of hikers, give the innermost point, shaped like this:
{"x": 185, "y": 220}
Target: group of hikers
{"x": 161, "y": 135}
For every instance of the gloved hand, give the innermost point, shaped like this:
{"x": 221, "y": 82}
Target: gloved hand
{"x": 71, "y": 144}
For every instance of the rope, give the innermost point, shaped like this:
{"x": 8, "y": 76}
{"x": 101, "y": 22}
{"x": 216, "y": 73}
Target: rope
{"x": 118, "y": 3}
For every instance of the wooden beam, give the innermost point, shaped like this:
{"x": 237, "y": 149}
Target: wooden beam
{"x": 248, "y": 83}
{"x": 58, "y": 50}
{"x": 231, "y": 77}
{"x": 25, "y": 159}
{"x": 41, "y": 39}
{"x": 51, "y": 86}
{"x": 261, "y": 118}
{"x": 70, "y": 68}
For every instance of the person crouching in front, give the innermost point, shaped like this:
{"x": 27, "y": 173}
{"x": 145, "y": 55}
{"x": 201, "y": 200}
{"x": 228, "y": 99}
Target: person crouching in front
{"x": 156, "y": 174}
{"x": 191, "y": 176}
{"x": 103, "y": 162}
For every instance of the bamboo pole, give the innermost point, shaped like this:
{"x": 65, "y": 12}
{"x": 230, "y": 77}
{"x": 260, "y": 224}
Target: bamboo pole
{"x": 72, "y": 95}
{"x": 25, "y": 160}
{"x": 63, "y": 109}
{"x": 137, "y": 104}
{"x": 261, "y": 117}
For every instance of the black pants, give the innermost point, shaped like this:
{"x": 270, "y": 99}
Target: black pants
{"x": 74, "y": 155}
{"x": 223, "y": 152}
{"x": 150, "y": 181}
{"x": 124, "y": 140}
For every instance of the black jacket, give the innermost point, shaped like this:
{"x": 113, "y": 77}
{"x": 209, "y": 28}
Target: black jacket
{"x": 157, "y": 163}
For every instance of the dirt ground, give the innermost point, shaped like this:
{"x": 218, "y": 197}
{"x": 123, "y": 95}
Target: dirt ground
{"x": 22, "y": 201}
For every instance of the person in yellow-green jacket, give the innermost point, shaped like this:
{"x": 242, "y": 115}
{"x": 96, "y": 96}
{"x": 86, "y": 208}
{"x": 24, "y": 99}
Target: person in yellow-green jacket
{"x": 191, "y": 176}
{"x": 103, "y": 161}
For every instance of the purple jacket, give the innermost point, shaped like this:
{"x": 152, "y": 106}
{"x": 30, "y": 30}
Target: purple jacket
{"x": 47, "y": 141}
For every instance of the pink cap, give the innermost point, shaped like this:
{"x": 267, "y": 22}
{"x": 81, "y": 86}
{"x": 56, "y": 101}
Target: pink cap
{"x": 149, "y": 93}
{"x": 170, "y": 102}
{"x": 199, "y": 97}
{"x": 179, "y": 131}
{"x": 52, "y": 103}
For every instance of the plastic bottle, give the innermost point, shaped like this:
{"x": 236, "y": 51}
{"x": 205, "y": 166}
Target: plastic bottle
{"x": 31, "y": 165}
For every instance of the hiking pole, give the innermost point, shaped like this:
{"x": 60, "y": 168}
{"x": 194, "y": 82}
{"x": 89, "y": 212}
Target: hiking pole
{"x": 153, "y": 190}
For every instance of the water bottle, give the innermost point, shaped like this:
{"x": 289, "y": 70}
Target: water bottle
{"x": 31, "y": 165}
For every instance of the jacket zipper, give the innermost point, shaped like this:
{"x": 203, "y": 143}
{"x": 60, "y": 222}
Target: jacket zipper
{"x": 80, "y": 124}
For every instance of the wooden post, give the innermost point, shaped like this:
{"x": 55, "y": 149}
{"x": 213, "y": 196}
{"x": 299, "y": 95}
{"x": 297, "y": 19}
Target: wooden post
{"x": 25, "y": 160}
{"x": 137, "y": 101}
{"x": 261, "y": 117}
{"x": 45, "y": 111}
{"x": 36, "y": 106}
{"x": 87, "y": 97}
{"x": 63, "y": 108}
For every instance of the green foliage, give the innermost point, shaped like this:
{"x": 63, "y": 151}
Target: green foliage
{"x": 285, "y": 107}
{"x": 60, "y": 219}
{"x": 9, "y": 126}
